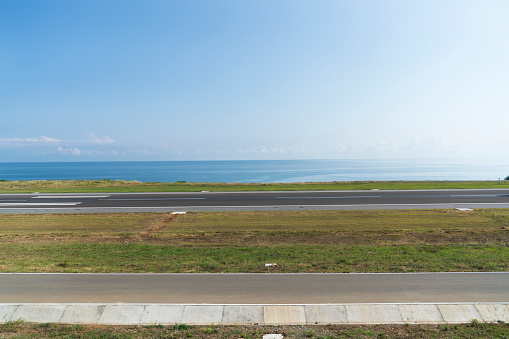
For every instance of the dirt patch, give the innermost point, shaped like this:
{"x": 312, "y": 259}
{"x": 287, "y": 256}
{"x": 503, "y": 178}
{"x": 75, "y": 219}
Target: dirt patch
{"x": 158, "y": 224}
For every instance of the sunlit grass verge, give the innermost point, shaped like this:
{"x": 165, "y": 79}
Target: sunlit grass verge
{"x": 102, "y": 258}
{"x": 98, "y": 186}
{"x": 297, "y": 241}
{"x": 49, "y": 330}
{"x": 372, "y": 227}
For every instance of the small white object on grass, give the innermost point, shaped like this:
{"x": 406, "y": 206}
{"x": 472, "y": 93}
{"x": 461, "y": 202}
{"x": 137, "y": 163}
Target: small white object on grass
{"x": 270, "y": 265}
{"x": 272, "y": 336}
{"x": 178, "y": 212}
{"x": 464, "y": 209}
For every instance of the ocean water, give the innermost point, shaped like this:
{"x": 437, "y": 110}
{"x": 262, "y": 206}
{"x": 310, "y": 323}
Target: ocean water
{"x": 259, "y": 171}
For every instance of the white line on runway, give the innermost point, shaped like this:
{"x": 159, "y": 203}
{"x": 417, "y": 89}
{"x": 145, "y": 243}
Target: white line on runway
{"x": 325, "y": 206}
{"x": 69, "y": 196}
{"x": 247, "y": 208}
{"x": 345, "y": 197}
{"x": 438, "y": 205}
{"x": 39, "y": 203}
{"x": 474, "y": 195}
{"x": 160, "y": 199}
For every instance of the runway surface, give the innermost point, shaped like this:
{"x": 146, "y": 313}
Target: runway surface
{"x": 253, "y": 201}
{"x": 255, "y": 288}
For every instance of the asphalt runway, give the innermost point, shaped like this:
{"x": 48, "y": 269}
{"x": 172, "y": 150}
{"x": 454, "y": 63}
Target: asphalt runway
{"x": 253, "y": 201}
{"x": 255, "y": 288}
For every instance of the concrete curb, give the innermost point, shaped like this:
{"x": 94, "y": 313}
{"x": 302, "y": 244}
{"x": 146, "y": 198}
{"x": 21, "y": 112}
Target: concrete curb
{"x": 203, "y": 314}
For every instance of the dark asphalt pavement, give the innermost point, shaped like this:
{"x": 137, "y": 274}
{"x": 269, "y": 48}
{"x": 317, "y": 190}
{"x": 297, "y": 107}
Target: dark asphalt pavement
{"x": 255, "y": 288}
{"x": 238, "y": 201}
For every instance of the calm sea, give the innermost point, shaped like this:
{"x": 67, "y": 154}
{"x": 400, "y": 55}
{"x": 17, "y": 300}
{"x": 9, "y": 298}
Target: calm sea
{"x": 259, "y": 171}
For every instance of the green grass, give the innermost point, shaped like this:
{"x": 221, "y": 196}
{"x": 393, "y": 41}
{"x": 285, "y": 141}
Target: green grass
{"x": 97, "y": 186}
{"x": 299, "y": 241}
{"x": 102, "y": 258}
{"x": 472, "y": 330}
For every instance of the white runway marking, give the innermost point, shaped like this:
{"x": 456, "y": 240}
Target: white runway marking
{"x": 39, "y": 203}
{"x": 441, "y": 205}
{"x": 153, "y": 199}
{"x": 345, "y": 197}
{"x": 474, "y": 195}
{"x": 69, "y": 196}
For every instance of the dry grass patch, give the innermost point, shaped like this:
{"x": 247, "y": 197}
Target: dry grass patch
{"x": 303, "y": 241}
{"x": 79, "y": 223}
{"x": 365, "y": 221}
{"x": 100, "y": 227}
{"x": 404, "y": 227}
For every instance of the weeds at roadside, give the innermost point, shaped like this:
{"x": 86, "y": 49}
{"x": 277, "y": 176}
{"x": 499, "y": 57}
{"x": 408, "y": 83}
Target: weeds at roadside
{"x": 12, "y": 326}
{"x": 471, "y": 330}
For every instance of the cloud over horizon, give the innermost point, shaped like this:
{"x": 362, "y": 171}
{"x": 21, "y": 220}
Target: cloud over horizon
{"x": 104, "y": 140}
{"x": 29, "y": 140}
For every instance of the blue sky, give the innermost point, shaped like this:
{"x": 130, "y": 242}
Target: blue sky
{"x": 97, "y": 80}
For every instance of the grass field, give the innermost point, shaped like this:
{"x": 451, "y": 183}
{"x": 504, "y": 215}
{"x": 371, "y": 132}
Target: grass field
{"x": 45, "y": 330}
{"x": 95, "y": 186}
{"x": 302, "y": 241}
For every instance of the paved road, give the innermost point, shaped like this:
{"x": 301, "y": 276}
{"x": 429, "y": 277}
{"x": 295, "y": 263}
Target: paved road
{"x": 255, "y": 288}
{"x": 238, "y": 201}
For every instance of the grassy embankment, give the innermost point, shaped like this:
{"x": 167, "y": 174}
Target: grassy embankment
{"x": 95, "y": 186}
{"x": 303, "y": 241}
{"x": 472, "y": 330}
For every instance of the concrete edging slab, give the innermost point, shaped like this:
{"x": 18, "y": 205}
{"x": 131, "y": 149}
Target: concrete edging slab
{"x": 203, "y": 314}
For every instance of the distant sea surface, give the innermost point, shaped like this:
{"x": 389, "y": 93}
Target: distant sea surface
{"x": 259, "y": 171}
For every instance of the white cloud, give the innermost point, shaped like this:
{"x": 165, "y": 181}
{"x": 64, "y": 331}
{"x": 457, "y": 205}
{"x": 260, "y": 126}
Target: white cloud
{"x": 346, "y": 148}
{"x": 90, "y": 146}
{"x": 77, "y": 151}
{"x": 73, "y": 151}
{"x": 463, "y": 145}
{"x": 45, "y": 139}
{"x": 104, "y": 140}
{"x": 422, "y": 146}
{"x": 42, "y": 139}
{"x": 272, "y": 150}
{"x": 427, "y": 144}
{"x": 383, "y": 146}
{"x": 48, "y": 139}
{"x": 139, "y": 152}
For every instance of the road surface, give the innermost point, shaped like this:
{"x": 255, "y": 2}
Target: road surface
{"x": 253, "y": 201}
{"x": 255, "y": 288}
